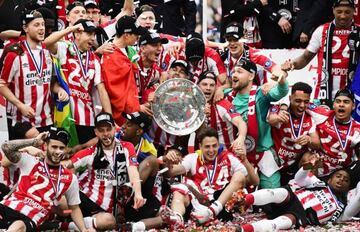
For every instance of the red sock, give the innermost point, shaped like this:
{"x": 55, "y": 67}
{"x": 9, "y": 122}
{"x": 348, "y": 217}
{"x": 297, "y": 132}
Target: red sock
{"x": 248, "y": 228}
{"x": 64, "y": 226}
{"x": 249, "y": 200}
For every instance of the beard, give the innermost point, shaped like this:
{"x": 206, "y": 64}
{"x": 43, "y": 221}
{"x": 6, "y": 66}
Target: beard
{"x": 107, "y": 144}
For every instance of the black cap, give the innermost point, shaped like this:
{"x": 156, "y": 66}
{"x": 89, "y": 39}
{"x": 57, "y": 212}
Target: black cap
{"x": 127, "y": 24}
{"x": 183, "y": 150}
{"x": 88, "y": 25}
{"x": 139, "y": 118}
{"x": 346, "y": 93}
{"x": 235, "y": 30}
{"x": 182, "y": 63}
{"x": 72, "y": 6}
{"x": 152, "y": 38}
{"x": 206, "y": 74}
{"x": 29, "y": 16}
{"x": 88, "y": 4}
{"x": 59, "y": 134}
{"x": 104, "y": 117}
{"x": 247, "y": 64}
{"x": 349, "y": 3}
{"x": 194, "y": 47}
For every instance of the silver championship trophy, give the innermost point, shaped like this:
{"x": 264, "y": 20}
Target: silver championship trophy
{"x": 179, "y": 106}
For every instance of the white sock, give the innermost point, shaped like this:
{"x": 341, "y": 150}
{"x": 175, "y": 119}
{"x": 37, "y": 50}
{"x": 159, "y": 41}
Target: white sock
{"x": 138, "y": 227}
{"x": 279, "y": 223}
{"x": 266, "y": 196}
{"x": 216, "y": 206}
{"x": 89, "y": 222}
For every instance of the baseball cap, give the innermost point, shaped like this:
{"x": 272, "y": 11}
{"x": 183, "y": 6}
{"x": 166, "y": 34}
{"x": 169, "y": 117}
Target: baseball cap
{"x": 139, "y": 118}
{"x": 346, "y": 93}
{"x": 104, "y": 117}
{"x": 72, "y": 6}
{"x": 194, "y": 47}
{"x": 152, "y": 38}
{"x": 235, "y": 30}
{"x": 182, "y": 63}
{"x": 88, "y": 25}
{"x": 247, "y": 64}
{"x": 127, "y": 24}
{"x": 91, "y": 4}
{"x": 349, "y": 3}
{"x": 59, "y": 134}
{"x": 29, "y": 16}
{"x": 206, "y": 74}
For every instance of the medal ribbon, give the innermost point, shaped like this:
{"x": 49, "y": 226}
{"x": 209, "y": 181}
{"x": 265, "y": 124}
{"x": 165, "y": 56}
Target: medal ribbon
{"x": 56, "y": 187}
{"x": 342, "y": 142}
{"x": 296, "y": 135}
{"x": 210, "y": 177}
{"x": 86, "y": 68}
{"x": 39, "y": 68}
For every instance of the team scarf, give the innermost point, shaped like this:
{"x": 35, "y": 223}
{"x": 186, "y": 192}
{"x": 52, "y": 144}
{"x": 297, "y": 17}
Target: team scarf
{"x": 327, "y": 82}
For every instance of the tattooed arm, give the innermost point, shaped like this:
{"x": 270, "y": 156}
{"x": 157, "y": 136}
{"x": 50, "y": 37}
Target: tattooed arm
{"x": 11, "y": 148}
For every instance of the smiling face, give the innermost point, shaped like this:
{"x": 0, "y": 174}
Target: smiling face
{"x": 208, "y": 86}
{"x": 54, "y": 152}
{"x": 35, "y": 30}
{"x": 235, "y": 46}
{"x": 241, "y": 78}
{"x": 299, "y": 101}
{"x": 343, "y": 106}
{"x": 209, "y": 147}
{"x": 343, "y": 16}
{"x": 106, "y": 134}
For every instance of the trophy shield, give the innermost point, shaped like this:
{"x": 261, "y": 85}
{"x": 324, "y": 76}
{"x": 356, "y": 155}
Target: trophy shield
{"x": 178, "y": 106}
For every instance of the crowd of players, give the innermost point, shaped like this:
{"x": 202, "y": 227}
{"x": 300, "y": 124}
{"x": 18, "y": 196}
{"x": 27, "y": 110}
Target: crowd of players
{"x": 128, "y": 174}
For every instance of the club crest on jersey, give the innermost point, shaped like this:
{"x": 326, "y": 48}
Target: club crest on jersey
{"x": 268, "y": 64}
{"x": 274, "y": 110}
{"x": 312, "y": 106}
{"x": 249, "y": 143}
{"x": 134, "y": 159}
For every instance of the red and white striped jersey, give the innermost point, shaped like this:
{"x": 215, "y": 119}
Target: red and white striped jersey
{"x": 98, "y": 184}
{"x": 335, "y": 155}
{"x": 211, "y": 62}
{"x": 160, "y": 137}
{"x": 82, "y": 77}
{"x": 284, "y": 136}
{"x": 316, "y": 194}
{"x": 210, "y": 177}
{"x": 39, "y": 189}
{"x": 9, "y": 176}
{"x": 340, "y": 56}
{"x": 30, "y": 86}
{"x": 224, "y": 112}
{"x": 147, "y": 80}
{"x": 321, "y": 201}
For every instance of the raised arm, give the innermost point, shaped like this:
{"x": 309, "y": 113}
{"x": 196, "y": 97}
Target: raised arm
{"x": 11, "y": 148}
{"x": 51, "y": 40}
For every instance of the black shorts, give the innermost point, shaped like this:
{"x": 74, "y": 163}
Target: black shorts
{"x": 88, "y": 207}
{"x": 149, "y": 210}
{"x": 8, "y": 216}
{"x": 4, "y": 190}
{"x": 293, "y": 207}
